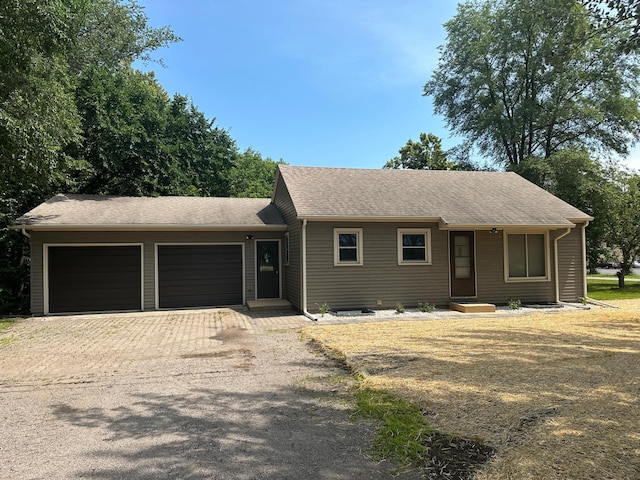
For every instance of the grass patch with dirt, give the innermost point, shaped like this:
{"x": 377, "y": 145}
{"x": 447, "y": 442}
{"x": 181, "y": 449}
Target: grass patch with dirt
{"x": 4, "y": 325}
{"x": 607, "y": 290}
{"x": 554, "y": 395}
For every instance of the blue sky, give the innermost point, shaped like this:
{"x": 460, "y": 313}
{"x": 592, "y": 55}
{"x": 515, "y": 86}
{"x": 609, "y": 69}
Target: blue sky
{"x": 312, "y": 82}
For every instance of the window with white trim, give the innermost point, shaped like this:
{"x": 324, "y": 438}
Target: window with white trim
{"x": 526, "y": 256}
{"x": 347, "y": 246}
{"x": 414, "y": 246}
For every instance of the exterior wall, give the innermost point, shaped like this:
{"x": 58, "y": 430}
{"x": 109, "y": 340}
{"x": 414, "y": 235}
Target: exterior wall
{"x": 292, "y": 279}
{"x": 571, "y": 266}
{"x": 148, "y": 239}
{"x": 491, "y": 285}
{"x": 380, "y": 277}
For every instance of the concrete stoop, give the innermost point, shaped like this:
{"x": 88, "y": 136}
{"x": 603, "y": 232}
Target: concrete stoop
{"x": 266, "y": 304}
{"x": 472, "y": 307}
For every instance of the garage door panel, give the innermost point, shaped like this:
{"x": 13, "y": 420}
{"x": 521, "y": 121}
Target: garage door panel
{"x": 199, "y": 275}
{"x": 94, "y": 278}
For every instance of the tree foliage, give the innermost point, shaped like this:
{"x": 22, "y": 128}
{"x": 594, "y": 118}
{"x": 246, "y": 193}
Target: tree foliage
{"x": 425, "y": 154}
{"x": 76, "y": 117}
{"x": 522, "y": 78}
{"x": 611, "y": 13}
{"x": 252, "y": 176}
{"x": 576, "y": 178}
{"x": 622, "y": 217}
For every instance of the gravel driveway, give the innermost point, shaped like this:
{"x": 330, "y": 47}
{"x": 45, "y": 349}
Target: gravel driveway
{"x": 207, "y": 394}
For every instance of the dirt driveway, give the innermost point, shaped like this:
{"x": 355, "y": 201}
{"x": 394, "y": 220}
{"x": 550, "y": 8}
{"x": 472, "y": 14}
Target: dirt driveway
{"x": 208, "y": 394}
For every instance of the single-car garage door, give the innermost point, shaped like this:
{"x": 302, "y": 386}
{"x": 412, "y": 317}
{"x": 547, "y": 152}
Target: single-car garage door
{"x": 199, "y": 275}
{"x": 94, "y": 278}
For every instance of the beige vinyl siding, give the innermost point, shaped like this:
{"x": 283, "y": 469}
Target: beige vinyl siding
{"x": 380, "y": 277}
{"x": 149, "y": 240}
{"x": 491, "y": 285}
{"x": 292, "y": 279}
{"x": 571, "y": 266}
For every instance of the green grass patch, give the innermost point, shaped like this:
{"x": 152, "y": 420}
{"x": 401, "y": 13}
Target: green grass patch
{"x": 401, "y": 437}
{"x": 5, "y": 324}
{"x": 608, "y": 290}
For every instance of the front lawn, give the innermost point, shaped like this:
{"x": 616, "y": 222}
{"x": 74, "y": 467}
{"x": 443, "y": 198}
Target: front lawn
{"x": 608, "y": 290}
{"x": 554, "y": 395}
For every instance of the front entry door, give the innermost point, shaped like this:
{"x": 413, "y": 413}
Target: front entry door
{"x": 268, "y": 269}
{"x": 462, "y": 264}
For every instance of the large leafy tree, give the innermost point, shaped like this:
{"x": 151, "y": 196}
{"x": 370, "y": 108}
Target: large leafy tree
{"x": 202, "y": 153}
{"x": 622, "y": 218}
{"x": 425, "y": 154}
{"x": 45, "y": 46}
{"x": 252, "y": 176}
{"x": 579, "y": 180}
{"x": 522, "y": 78}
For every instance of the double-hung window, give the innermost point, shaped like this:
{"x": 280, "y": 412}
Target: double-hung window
{"x": 414, "y": 246}
{"x": 347, "y": 246}
{"x": 526, "y": 256}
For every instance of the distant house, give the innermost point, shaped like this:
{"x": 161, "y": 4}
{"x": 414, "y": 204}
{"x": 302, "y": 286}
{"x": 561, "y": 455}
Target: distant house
{"x": 350, "y": 238}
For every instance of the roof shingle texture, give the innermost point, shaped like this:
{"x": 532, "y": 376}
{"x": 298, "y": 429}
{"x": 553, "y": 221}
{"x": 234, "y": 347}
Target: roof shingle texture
{"x": 455, "y": 197}
{"x": 95, "y": 210}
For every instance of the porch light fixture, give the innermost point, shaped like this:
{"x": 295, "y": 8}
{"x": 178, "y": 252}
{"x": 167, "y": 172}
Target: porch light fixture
{"x": 494, "y": 230}
{"x": 249, "y": 237}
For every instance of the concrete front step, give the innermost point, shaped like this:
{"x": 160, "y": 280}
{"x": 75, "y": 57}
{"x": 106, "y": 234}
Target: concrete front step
{"x": 265, "y": 304}
{"x": 472, "y": 307}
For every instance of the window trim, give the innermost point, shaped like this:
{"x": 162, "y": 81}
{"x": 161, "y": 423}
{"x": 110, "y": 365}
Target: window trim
{"x": 336, "y": 247}
{"x": 427, "y": 246}
{"x": 547, "y": 256}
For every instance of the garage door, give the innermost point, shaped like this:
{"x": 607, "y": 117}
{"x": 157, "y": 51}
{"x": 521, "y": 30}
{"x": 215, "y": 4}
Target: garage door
{"x": 94, "y": 278}
{"x": 199, "y": 275}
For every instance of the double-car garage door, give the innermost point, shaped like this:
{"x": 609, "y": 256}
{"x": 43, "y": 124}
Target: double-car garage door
{"x": 110, "y": 277}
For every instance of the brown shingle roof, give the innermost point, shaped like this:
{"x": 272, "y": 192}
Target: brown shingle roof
{"x": 453, "y": 197}
{"x": 67, "y": 210}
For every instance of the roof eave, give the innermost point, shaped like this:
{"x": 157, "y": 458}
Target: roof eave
{"x": 506, "y": 226}
{"x": 151, "y": 228}
{"x": 381, "y": 218}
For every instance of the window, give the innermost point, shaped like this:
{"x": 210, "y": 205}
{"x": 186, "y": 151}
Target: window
{"x": 286, "y": 248}
{"x": 526, "y": 256}
{"x": 347, "y": 246}
{"x": 414, "y": 246}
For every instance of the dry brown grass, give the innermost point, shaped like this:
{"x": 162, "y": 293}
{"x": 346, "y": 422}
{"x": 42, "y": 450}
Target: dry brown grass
{"x": 557, "y": 394}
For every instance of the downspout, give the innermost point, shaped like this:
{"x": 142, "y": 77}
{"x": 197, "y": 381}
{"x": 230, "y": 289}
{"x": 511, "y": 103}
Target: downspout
{"x": 555, "y": 258}
{"x": 304, "y": 271}
{"x": 24, "y": 232}
{"x": 584, "y": 258}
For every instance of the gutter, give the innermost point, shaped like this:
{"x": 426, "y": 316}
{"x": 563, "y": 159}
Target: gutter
{"x": 555, "y": 258}
{"x": 152, "y": 227}
{"x": 305, "y": 312}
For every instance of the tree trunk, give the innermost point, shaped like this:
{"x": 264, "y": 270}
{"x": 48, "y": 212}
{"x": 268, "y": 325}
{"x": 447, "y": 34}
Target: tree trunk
{"x": 620, "y": 279}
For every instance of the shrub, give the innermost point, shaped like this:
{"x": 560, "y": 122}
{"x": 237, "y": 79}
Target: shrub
{"x": 426, "y": 307}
